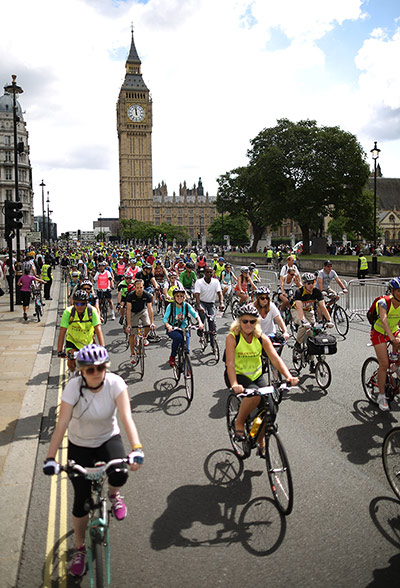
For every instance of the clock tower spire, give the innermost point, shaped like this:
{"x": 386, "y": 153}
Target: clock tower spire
{"x": 134, "y": 127}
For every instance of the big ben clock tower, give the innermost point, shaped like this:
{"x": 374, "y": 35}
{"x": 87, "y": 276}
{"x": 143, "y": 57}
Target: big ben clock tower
{"x": 134, "y": 125}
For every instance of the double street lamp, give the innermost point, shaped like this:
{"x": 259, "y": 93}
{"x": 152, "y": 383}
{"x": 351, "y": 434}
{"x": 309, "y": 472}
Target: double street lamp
{"x": 42, "y": 185}
{"x": 375, "y": 154}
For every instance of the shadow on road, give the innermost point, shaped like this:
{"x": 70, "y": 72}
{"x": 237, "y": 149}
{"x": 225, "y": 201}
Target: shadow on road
{"x": 385, "y": 514}
{"x": 165, "y": 396}
{"x": 206, "y": 515}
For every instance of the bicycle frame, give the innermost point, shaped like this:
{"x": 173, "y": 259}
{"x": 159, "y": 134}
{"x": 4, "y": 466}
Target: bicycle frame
{"x": 98, "y": 525}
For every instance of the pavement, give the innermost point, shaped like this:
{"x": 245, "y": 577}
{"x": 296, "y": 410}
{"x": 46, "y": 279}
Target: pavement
{"x": 25, "y": 356}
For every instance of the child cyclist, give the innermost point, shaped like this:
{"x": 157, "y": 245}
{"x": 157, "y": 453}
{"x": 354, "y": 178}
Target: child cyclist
{"x": 89, "y": 407}
{"x": 177, "y": 315}
{"x": 386, "y": 328}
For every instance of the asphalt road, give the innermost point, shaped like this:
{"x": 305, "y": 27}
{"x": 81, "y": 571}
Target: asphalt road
{"x": 198, "y": 517}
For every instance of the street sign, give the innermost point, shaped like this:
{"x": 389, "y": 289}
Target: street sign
{"x": 34, "y": 236}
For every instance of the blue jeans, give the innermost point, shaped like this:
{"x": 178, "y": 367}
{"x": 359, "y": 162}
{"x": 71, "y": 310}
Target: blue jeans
{"x": 177, "y": 339}
{"x": 210, "y": 309}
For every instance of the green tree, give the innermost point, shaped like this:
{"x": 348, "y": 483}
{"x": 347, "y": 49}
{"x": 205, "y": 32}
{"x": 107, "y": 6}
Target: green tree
{"x": 357, "y": 220}
{"x": 235, "y": 227}
{"x": 134, "y": 229}
{"x": 242, "y": 193}
{"x": 312, "y": 172}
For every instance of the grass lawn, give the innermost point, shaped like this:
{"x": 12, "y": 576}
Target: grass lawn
{"x": 350, "y": 258}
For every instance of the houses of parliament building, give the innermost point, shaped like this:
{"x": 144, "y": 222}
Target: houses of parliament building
{"x": 191, "y": 207}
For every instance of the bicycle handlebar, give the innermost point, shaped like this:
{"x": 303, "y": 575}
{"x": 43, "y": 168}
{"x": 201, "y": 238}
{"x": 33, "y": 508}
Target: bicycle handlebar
{"x": 264, "y": 391}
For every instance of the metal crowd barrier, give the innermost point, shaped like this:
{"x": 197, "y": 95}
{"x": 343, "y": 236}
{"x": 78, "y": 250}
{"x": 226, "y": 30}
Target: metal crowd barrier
{"x": 361, "y": 295}
{"x": 270, "y": 278}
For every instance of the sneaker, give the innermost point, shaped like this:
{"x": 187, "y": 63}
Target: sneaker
{"x": 146, "y": 342}
{"x": 171, "y": 361}
{"x": 133, "y": 358}
{"x": 118, "y": 506}
{"x": 113, "y": 317}
{"x": 297, "y": 347}
{"x": 312, "y": 367}
{"x": 382, "y": 402}
{"x": 25, "y": 316}
{"x": 78, "y": 564}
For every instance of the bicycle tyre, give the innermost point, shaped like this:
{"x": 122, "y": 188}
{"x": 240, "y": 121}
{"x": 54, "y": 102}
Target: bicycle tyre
{"x": 279, "y": 474}
{"x": 234, "y": 309}
{"x": 215, "y": 349}
{"x": 241, "y": 448}
{"x": 176, "y": 369}
{"x": 323, "y": 374}
{"x": 99, "y": 564}
{"x": 104, "y": 310}
{"x": 297, "y": 360}
{"x": 141, "y": 357}
{"x": 391, "y": 459}
{"x": 341, "y": 321}
{"x": 37, "y": 311}
{"x": 369, "y": 379}
{"x": 188, "y": 378}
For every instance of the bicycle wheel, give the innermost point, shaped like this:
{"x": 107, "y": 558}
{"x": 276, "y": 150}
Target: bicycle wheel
{"x": 297, "y": 360}
{"x": 279, "y": 475}
{"x": 341, "y": 321}
{"x": 241, "y": 448}
{"x": 177, "y": 368}
{"x": 234, "y": 309}
{"x": 369, "y": 379}
{"x": 323, "y": 374}
{"x": 104, "y": 310}
{"x": 140, "y": 352}
{"x": 215, "y": 348}
{"x": 391, "y": 459}
{"x": 98, "y": 555}
{"x": 37, "y": 311}
{"x": 188, "y": 377}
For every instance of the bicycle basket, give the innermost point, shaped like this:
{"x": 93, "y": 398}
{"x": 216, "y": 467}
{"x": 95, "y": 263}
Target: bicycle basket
{"x": 322, "y": 344}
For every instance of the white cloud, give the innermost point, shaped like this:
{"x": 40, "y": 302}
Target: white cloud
{"x": 214, "y": 78}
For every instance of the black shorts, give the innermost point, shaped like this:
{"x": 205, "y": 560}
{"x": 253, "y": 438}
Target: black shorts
{"x": 26, "y": 297}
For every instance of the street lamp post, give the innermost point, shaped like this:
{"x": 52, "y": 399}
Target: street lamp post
{"x": 101, "y": 228}
{"x": 48, "y": 218}
{"x": 375, "y": 154}
{"x": 14, "y": 90}
{"x": 42, "y": 185}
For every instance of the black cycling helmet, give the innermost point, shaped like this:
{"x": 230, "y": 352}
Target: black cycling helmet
{"x": 80, "y": 296}
{"x": 262, "y": 291}
{"x": 147, "y": 266}
{"x": 327, "y": 262}
{"x": 189, "y": 265}
{"x": 308, "y": 277}
{"x": 249, "y": 309}
{"x": 92, "y": 355}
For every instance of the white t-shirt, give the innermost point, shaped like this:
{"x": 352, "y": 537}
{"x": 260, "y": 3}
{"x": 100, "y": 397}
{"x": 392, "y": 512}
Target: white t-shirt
{"x": 268, "y": 324}
{"x": 286, "y": 268}
{"x": 94, "y": 417}
{"x": 207, "y": 291}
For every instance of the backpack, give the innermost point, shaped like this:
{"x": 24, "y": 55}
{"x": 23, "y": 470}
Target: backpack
{"x": 372, "y": 314}
{"x": 73, "y": 312}
{"x": 172, "y": 313}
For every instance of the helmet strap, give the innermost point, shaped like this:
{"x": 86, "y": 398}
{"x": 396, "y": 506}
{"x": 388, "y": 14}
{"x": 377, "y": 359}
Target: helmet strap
{"x": 85, "y": 385}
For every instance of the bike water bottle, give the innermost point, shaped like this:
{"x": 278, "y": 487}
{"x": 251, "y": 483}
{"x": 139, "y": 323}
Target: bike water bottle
{"x": 255, "y": 426}
{"x": 393, "y": 356}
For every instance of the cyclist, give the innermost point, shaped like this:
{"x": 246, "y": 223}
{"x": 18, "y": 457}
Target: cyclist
{"x": 254, "y": 273}
{"x": 79, "y": 323}
{"x": 303, "y": 307}
{"x": 88, "y": 409}
{"x": 386, "y": 328}
{"x": 73, "y": 285}
{"x": 227, "y": 279}
{"x": 205, "y": 291}
{"x": 290, "y": 264}
{"x": 133, "y": 269}
{"x": 269, "y": 313}
{"x": 218, "y": 268}
{"x": 244, "y": 285}
{"x": 288, "y": 282}
{"x": 201, "y": 262}
{"x": 176, "y": 316}
{"x": 149, "y": 281}
{"x": 244, "y": 344}
{"x": 188, "y": 277}
{"x": 105, "y": 282}
{"x": 325, "y": 276}
{"x": 123, "y": 287}
{"x": 170, "y": 286}
{"x": 138, "y": 309}
{"x": 87, "y": 286}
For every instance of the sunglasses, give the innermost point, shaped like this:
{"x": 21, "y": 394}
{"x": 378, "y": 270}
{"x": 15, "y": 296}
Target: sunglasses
{"x": 87, "y": 289}
{"x": 251, "y": 321}
{"x": 309, "y": 282}
{"x": 80, "y": 303}
{"x": 263, "y": 297}
{"x": 95, "y": 368}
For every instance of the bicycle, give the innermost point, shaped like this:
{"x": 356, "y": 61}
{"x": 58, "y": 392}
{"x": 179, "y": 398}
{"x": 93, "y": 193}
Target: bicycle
{"x": 37, "y": 298}
{"x": 391, "y": 459}
{"x": 286, "y": 314}
{"x": 183, "y": 364}
{"x": 140, "y": 352}
{"x": 103, "y": 304}
{"x": 274, "y": 377}
{"x": 159, "y": 302}
{"x": 338, "y": 314}
{"x": 263, "y": 424}
{"x": 97, "y": 538}
{"x": 210, "y": 336}
{"x": 369, "y": 379}
{"x": 310, "y": 349}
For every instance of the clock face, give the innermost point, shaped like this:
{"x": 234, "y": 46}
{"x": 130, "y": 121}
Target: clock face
{"x": 136, "y": 113}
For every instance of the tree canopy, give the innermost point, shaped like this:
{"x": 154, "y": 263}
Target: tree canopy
{"x": 134, "y": 229}
{"x": 298, "y": 171}
{"x": 235, "y": 227}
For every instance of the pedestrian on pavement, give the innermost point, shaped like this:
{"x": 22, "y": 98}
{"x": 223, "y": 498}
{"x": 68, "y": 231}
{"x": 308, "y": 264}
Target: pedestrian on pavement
{"x": 25, "y": 282}
{"x": 89, "y": 406}
{"x": 47, "y": 276}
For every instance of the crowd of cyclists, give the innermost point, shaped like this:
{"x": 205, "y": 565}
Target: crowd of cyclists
{"x": 183, "y": 286}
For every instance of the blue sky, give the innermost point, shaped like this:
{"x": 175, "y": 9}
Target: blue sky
{"x": 219, "y": 72}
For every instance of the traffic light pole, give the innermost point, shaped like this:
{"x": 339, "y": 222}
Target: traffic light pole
{"x": 10, "y": 272}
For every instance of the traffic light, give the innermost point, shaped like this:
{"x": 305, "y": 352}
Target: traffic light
{"x": 13, "y": 214}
